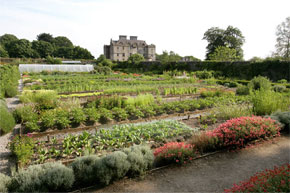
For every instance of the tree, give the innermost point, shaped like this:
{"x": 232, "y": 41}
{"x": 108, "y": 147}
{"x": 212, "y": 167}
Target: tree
{"x": 3, "y": 52}
{"x": 283, "y": 39}
{"x": 166, "y": 57}
{"x": 223, "y": 53}
{"x": 102, "y": 61}
{"x": 136, "y": 59}
{"x": 62, "y": 41}
{"x": 81, "y": 53}
{"x": 20, "y": 49}
{"x": 231, "y": 37}
{"x": 45, "y": 37}
{"x": 6, "y": 39}
{"x": 64, "y": 52}
{"x": 43, "y": 48}
{"x": 191, "y": 58}
{"x": 256, "y": 59}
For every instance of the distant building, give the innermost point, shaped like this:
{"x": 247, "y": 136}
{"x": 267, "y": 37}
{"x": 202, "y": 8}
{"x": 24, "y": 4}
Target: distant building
{"x": 123, "y": 48}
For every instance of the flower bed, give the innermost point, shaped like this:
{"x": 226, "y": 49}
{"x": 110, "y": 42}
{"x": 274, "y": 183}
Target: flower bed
{"x": 276, "y": 180}
{"x": 236, "y": 133}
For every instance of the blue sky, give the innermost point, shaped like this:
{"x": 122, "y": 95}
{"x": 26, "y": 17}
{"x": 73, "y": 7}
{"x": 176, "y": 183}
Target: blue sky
{"x": 176, "y": 25}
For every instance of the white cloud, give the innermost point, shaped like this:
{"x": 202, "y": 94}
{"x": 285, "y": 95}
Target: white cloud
{"x": 176, "y": 25}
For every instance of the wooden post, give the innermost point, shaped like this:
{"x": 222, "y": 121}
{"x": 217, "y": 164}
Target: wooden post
{"x": 48, "y": 138}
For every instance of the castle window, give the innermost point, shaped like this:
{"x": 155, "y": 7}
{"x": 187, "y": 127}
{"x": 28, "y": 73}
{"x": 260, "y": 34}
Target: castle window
{"x": 117, "y": 54}
{"x": 124, "y": 54}
{"x": 117, "y": 48}
{"x": 123, "y": 48}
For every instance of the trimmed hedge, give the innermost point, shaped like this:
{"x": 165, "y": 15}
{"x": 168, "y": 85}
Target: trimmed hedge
{"x": 274, "y": 70}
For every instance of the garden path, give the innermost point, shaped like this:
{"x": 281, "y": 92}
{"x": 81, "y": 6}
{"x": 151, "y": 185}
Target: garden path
{"x": 6, "y": 162}
{"x": 210, "y": 174}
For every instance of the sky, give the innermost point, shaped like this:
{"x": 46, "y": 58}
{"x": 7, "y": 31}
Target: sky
{"x": 172, "y": 25}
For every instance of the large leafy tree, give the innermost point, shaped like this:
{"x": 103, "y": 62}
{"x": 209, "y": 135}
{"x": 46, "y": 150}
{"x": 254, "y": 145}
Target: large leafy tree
{"x": 223, "y": 53}
{"x": 21, "y": 49}
{"x": 6, "y": 39}
{"x": 283, "y": 39}
{"x": 62, "y": 41}
{"x": 45, "y": 37}
{"x": 81, "y": 53}
{"x": 64, "y": 52}
{"x": 136, "y": 59}
{"x": 231, "y": 37}
{"x": 43, "y": 48}
{"x": 166, "y": 57}
{"x": 3, "y": 52}
{"x": 103, "y": 61}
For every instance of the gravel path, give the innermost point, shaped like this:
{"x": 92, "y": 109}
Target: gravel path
{"x": 6, "y": 162}
{"x": 210, "y": 174}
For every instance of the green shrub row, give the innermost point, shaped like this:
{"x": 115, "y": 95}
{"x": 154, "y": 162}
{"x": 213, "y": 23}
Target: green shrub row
{"x": 63, "y": 118}
{"x": 84, "y": 171}
{"x": 9, "y": 76}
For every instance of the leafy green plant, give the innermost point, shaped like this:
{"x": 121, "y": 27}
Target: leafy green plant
{"x": 25, "y": 113}
{"x": 44, "y": 99}
{"x": 268, "y": 102}
{"x": 105, "y": 115}
{"x": 92, "y": 114}
{"x": 4, "y": 183}
{"x": 119, "y": 114}
{"x": 48, "y": 118}
{"x": 63, "y": 120}
{"x": 259, "y": 83}
{"x": 226, "y": 112}
{"x": 22, "y": 148}
{"x": 78, "y": 116}
{"x": 7, "y": 121}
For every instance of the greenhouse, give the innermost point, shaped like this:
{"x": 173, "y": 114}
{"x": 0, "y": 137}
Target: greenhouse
{"x": 48, "y": 67}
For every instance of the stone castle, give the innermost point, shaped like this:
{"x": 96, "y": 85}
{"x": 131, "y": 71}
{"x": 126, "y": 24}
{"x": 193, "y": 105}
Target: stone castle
{"x": 123, "y": 48}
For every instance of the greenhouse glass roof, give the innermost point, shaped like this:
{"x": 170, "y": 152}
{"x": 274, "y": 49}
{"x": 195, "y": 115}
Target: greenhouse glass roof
{"x": 53, "y": 67}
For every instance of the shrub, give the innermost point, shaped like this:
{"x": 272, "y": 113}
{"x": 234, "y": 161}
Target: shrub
{"x": 24, "y": 114}
{"x": 119, "y": 114}
{"x": 225, "y": 112}
{"x": 105, "y": 115}
{"x": 77, "y": 115}
{"x": 84, "y": 170}
{"x": 63, "y": 120}
{"x": 148, "y": 111}
{"x": 174, "y": 152}
{"x": 140, "y": 158}
{"x": 238, "y": 132}
{"x": 259, "y": 83}
{"x": 22, "y": 148}
{"x": 203, "y": 74}
{"x": 7, "y": 121}
{"x": 44, "y": 99}
{"x": 242, "y": 90}
{"x": 204, "y": 143}
{"x": 279, "y": 88}
{"x": 112, "y": 167}
{"x": 47, "y": 177}
{"x": 92, "y": 114}
{"x": 10, "y": 90}
{"x": 4, "y": 183}
{"x": 133, "y": 112}
{"x": 267, "y": 102}
{"x": 48, "y": 118}
{"x": 276, "y": 180}
{"x": 31, "y": 126}
{"x": 51, "y": 60}
{"x": 283, "y": 118}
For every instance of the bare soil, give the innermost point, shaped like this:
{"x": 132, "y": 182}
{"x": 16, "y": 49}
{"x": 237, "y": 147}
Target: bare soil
{"x": 210, "y": 174}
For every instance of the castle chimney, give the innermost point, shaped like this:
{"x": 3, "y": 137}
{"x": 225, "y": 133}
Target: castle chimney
{"x": 121, "y": 37}
{"x": 133, "y": 37}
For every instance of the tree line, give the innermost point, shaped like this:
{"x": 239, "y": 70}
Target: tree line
{"x": 44, "y": 46}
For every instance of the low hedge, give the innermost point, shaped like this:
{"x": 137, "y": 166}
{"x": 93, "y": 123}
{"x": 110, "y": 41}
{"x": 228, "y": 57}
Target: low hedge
{"x": 48, "y": 177}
